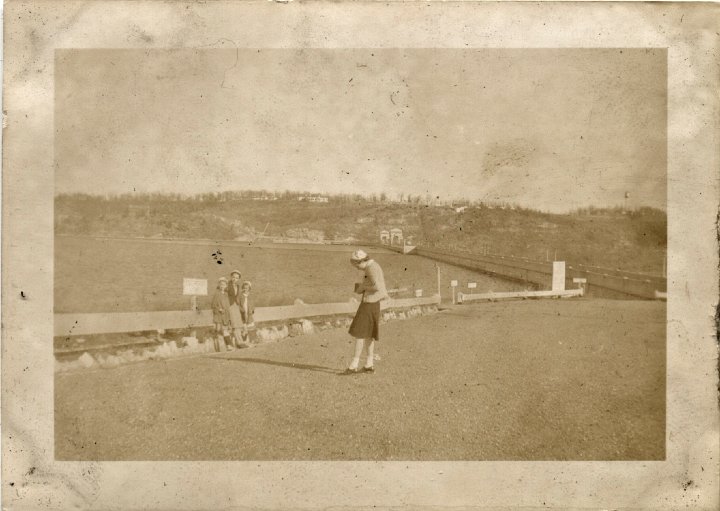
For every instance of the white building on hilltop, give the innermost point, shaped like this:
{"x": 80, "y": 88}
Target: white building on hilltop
{"x": 314, "y": 198}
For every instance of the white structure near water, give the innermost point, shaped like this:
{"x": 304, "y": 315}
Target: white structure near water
{"x": 392, "y": 237}
{"x": 558, "y": 276}
{"x": 396, "y": 236}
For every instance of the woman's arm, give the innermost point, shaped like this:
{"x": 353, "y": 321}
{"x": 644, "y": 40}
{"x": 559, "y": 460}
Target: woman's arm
{"x": 372, "y": 279}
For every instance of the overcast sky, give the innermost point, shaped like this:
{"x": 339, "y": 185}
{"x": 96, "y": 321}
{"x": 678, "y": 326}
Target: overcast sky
{"x": 548, "y": 129}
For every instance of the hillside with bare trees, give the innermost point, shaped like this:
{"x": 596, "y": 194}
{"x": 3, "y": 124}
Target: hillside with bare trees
{"x": 632, "y": 240}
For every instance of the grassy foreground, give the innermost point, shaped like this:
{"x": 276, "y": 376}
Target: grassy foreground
{"x": 527, "y": 380}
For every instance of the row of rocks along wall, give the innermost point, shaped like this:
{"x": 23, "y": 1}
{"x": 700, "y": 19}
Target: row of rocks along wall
{"x": 193, "y": 346}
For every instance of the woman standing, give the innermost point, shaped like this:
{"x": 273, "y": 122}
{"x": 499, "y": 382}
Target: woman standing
{"x": 366, "y": 324}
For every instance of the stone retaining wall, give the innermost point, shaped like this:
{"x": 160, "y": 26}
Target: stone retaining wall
{"x": 109, "y": 357}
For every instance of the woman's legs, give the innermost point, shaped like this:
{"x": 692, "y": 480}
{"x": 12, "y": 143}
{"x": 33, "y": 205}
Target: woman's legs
{"x": 370, "y": 353}
{"x": 359, "y": 344}
{"x": 237, "y": 337}
{"x": 219, "y": 338}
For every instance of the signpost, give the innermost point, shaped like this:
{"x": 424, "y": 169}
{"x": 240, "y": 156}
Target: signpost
{"x": 472, "y": 285}
{"x": 453, "y": 285}
{"x": 194, "y": 288}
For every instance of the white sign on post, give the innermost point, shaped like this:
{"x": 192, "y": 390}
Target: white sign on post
{"x": 195, "y": 287}
{"x": 472, "y": 285}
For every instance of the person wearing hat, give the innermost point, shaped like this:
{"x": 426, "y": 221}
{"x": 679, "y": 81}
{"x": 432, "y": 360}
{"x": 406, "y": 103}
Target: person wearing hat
{"x": 366, "y": 324}
{"x": 246, "y": 309}
{"x": 221, "y": 312}
{"x": 236, "y": 322}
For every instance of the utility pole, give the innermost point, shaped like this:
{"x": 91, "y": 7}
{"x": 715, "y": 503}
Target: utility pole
{"x": 437, "y": 267}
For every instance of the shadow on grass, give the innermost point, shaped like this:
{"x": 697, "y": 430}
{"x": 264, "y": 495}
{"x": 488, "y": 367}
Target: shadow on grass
{"x": 292, "y": 365}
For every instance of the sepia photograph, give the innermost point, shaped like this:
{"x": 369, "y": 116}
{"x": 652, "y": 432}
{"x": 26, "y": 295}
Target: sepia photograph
{"x": 360, "y": 254}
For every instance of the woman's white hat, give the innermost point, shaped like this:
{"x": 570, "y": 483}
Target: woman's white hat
{"x": 358, "y": 255}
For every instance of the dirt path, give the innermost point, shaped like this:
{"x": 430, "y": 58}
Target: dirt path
{"x": 528, "y": 380}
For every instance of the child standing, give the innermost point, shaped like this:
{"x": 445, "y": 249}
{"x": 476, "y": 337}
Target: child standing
{"x": 221, "y": 313}
{"x": 246, "y": 309}
{"x": 236, "y": 322}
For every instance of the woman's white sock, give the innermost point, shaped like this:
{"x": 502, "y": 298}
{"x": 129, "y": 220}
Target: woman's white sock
{"x": 370, "y": 354}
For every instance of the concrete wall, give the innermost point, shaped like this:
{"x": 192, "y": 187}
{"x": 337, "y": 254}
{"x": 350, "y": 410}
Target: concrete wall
{"x": 114, "y": 355}
{"x": 471, "y": 297}
{"x": 106, "y": 323}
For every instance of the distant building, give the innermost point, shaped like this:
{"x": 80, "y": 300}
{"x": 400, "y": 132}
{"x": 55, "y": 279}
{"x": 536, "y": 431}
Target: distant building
{"x": 385, "y": 237}
{"x": 314, "y": 198}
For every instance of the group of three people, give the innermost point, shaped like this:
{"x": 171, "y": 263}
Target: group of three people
{"x": 232, "y": 310}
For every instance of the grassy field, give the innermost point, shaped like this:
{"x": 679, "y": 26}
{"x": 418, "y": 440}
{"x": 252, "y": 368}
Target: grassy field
{"x": 612, "y": 238}
{"x": 531, "y": 380}
{"x": 104, "y": 275}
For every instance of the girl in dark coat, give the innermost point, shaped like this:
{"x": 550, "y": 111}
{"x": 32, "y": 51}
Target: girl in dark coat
{"x": 221, "y": 312}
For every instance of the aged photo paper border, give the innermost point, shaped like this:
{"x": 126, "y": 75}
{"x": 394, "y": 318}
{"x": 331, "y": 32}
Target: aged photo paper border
{"x": 688, "y": 478}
